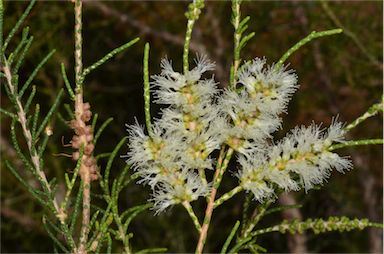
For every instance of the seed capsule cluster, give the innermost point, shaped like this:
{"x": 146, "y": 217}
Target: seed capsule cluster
{"x": 84, "y": 137}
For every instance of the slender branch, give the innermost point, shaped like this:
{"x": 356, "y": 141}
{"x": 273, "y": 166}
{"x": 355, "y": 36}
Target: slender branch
{"x": 28, "y": 137}
{"x": 373, "y": 110}
{"x": 304, "y": 41}
{"x": 147, "y": 95}
{"x": 188, "y": 36}
{"x": 78, "y": 44}
{"x": 246, "y": 205}
{"x": 17, "y": 25}
{"x": 230, "y": 237}
{"x": 1, "y": 24}
{"x": 227, "y": 196}
{"x": 236, "y": 40}
{"x": 357, "y": 143}
{"x": 192, "y": 15}
{"x": 193, "y": 216}
{"x": 221, "y": 166}
{"x": 319, "y": 225}
{"x": 79, "y": 111}
{"x": 256, "y": 217}
{"x": 107, "y": 57}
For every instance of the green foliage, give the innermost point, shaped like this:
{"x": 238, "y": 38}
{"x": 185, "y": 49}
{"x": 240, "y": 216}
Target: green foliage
{"x": 62, "y": 217}
{"x": 31, "y": 126}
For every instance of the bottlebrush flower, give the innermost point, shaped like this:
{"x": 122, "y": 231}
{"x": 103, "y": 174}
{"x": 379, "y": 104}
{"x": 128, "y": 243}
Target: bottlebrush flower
{"x": 254, "y": 111}
{"x": 186, "y": 91}
{"x": 189, "y": 187}
{"x": 303, "y": 153}
{"x": 182, "y": 139}
{"x": 249, "y": 116}
{"x": 273, "y": 85}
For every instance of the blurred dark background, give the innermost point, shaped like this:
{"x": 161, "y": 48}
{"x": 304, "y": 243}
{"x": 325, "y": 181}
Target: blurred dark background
{"x": 338, "y": 75}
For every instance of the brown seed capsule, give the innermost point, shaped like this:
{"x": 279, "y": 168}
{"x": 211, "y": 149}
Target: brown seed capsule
{"x": 75, "y": 156}
{"x": 86, "y": 106}
{"x": 94, "y": 177}
{"x": 75, "y": 141}
{"x": 88, "y": 129}
{"x": 89, "y": 161}
{"x": 93, "y": 169}
{"x": 89, "y": 138}
{"x": 86, "y": 116}
{"x": 89, "y": 148}
{"x": 73, "y": 124}
{"x": 80, "y": 131}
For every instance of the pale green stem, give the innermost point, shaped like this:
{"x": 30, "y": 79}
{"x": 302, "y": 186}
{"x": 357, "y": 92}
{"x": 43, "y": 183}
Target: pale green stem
{"x": 246, "y": 205}
{"x": 310, "y": 37}
{"x": 357, "y": 143}
{"x": 236, "y": 41}
{"x": 227, "y": 196}
{"x": 319, "y": 223}
{"x": 71, "y": 183}
{"x": 1, "y": 26}
{"x": 192, "y": 214}
{"x": 373, "y": 110}
{"x": 188, "y": 36}
{"x": 221, "y": 166}
{"x": 16, "y": 26}
{"x": 230, "y": 237}
{"x": 85, "y": 175}
{"x": 192, "y": 14}
{"x": 78, "y": 45}
{"x": 28, "y": 137}
{"x": 107, "y": 57}
{"x": 66, "y": 82}
{"x": 147, "y": 95}
{"x": 256, "y": 218}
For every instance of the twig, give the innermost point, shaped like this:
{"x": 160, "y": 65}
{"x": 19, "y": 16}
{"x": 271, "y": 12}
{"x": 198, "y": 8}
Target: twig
{"x": 227, "y": 196}
{"x": 192, "y": 15}
{"x": 230, "y": 237}
{"x": 28, "y": 137}
{"x": 221, "y": 166}
{"x": 310, "y": 37}
{"x": 357, "y": 143}
{"x": 79, "y": 110}
{"x": 147, "y": 95}
{"x": 256, "y": 216}
{"x": 193, "y": 216}
{"x": 142, "y": 27}
{"x": 78, "y": 44}
{"x": 236, "y": 40}
{"x": 373, "y": 110}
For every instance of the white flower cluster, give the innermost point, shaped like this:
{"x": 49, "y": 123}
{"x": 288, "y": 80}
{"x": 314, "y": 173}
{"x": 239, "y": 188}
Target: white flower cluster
{"x": 172, "y": 161}
{"x": 300, "y": 159}
{"x": 199, "y": 119}
{"x": 254, "y": 111}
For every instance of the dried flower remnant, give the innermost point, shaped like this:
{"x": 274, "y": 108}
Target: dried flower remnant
{"x": 84, "y": 137}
